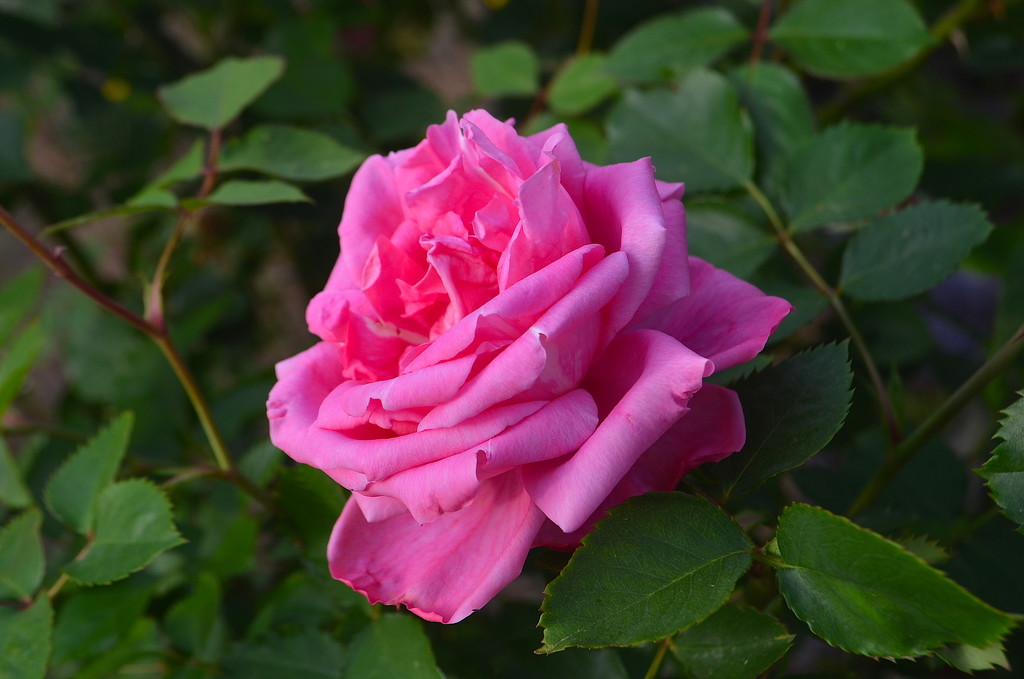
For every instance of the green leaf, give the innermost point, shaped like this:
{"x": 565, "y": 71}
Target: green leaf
{"x": 213, "y": 98}
{"x": 21, "y": 556}
{"x": 793, "y": 409}
{"x": 17, "y": 361}
{"x": 727, "y": 238}
{"x": 139, "y": 650}
{"x": 289, "y": 152}
{"x": 910, "y": 251}
{"x": 17, "y": 297}
{"x": 152, "y": 197}
{"x": 25, "y": 640}
{"x": 839, "y": 39}
{"x": 656, "y": 565}
{"x": 779, "y": 108}
{"x": 189, "y": 166}
{"x": 581, "y": 85}
{"x": 133, "y": 525}
{"x": 393, "y": 646}
{"x": 311, "y": 502}
{"x": 149, "y": 204}
{"x": 697, "y": 135}
{"x": 866, "y": 595}
{"x": 13, "y": 491}
{"x": 1004, "y": 471}
{"x": 93, "y": 621}
{"x": 970, "y": 659}
{"x": 309, "y": 655}
{"x": 73, "y": 490}
{"x": 194, "y": 624}
{"x": 673, "y": 44}
{"x": 733, "y": 643}
{"x": 248, "y": 192}
{"x": 506, "y": 69}
{"x": 850, "y": 172}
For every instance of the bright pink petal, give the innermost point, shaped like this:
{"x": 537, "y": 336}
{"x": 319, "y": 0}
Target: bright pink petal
{"x": 673, "y": 279}
{"x": 553, "y": 355}
{"x": 723, "y": 318}
{"x": 642, "y": 385}
{"x": 623, "y": 211}
{"x": 373, "y": 208}
{"x": 443, "y": 570}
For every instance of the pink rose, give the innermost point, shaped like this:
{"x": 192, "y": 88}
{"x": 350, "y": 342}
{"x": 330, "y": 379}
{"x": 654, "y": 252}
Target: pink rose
{"x": 513, "y": 341}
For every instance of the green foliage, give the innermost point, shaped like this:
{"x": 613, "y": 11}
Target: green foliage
{"x": 850, "y": 172}
{"x": 506, "y": 69}
{"x": 253, "y": 192}
{"x": 698, "y": 133}
{"x": 673, "y": 44}
{"x": 793, "y": 410}
{"x": 656, "y": 565}
{"x": 25, "y": 640}
{"x": 73, "y": 492}
{"x": 308, "y": 655}
{"x": 866, "y": 595}
{"x": 727, "y": 238}
{"x": 133, "y": 525}
{"x": 393, "y": 646}
{"x": 581, "y": 84}
{"x": 1004, "y": 471}
{"x": 290, "y": 153}
{"x": 17, "y": 361}
{"x": 21, "y": 556}
{"x": 732, "y": 643}
{"x": 213, "y": 98}
{"x": 839, "y": 39}
{"x": 17, "y": 299}
{"x": 910, "y": 251}
{"x": 13, "y": 492}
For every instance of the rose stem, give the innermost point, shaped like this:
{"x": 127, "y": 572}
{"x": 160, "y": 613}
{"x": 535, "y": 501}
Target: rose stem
{"x": 154, "y": 328}
{"x": 587, "y": 27}
{"x": 761, "y": 32}
{"x": 796, "y": 254}
{"x": 652, "y": 671}
{"x": 989, "y": 370}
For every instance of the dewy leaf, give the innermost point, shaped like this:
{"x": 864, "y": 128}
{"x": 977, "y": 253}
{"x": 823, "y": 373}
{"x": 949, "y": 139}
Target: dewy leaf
{"x": 21, "y": 556}
{"x": 393, "y": 646}
{"x": 673, "y": 44}
{"x": 13, "y": 491}
{"x": 290, "y": 153}
{"x": 506, "y": 69}
{"x": 1004, "y": 472}
{"x": 17, "y": 297}
{"x": 779, "y": 107}
{"x": 581, "y": 84}
{"x": 733, "y": 643}
{"x": 727, "y": 238}
{"x": 865, "y": 594}
{"x": 850, "y": 172}
{"x": 72, "y": 491}
{"x": 656, "y": 565}
{"x": 17, "y": 361}
{"x": 793, "y": 409}
{"x": 25, "y": 640}
{"x": 133, "y": 525}
{"x": 310, "y": 654}
{"x": 910, "y": 251}
{"x": 840, "y": 39}
{"x": 213, "y": 98}
{"x": 248, "y": 192}
{"x": 697, "y": 134}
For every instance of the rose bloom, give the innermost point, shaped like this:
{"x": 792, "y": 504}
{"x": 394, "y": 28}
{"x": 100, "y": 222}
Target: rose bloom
{"x": 512, "y": 341}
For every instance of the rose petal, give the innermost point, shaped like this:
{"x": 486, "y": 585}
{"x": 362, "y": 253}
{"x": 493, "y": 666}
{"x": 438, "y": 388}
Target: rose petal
{"x": 642, "y": 385}
{"x": 672, "y": 281}
{"x": 723, "y": 318}
{"x": 443, "y": 570}
{"x": 623, "y": 211}
{"x": 555, "y": 350}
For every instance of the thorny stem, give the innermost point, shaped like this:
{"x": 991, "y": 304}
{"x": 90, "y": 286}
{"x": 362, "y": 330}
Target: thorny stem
{"x": 659, "y": 657}
{"x": 940, "y": 31}
{"x": 797, "y": 255}
{"x": 989, "y": 370}
{"x": 155, "y": 332}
